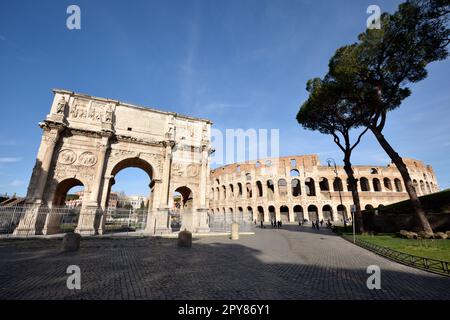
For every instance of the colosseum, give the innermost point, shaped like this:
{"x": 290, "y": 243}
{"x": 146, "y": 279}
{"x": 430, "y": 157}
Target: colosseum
{"x": 294, "y": 188}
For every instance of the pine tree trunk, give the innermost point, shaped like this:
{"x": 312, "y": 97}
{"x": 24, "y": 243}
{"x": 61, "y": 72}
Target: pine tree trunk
{"x": 421, "y": 219}
{"x": 359, "y": 225}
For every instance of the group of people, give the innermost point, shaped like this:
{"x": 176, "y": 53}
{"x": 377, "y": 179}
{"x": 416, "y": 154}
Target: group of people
{"x": 316, "y": 224}
{"x": 274, "y": 223}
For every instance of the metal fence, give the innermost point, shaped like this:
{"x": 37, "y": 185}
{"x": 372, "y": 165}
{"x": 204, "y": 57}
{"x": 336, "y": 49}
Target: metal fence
{"x": 431, "y": 265}
{"x": 33, "y": 220}
{"x": 221, "y": 222}
{"x": 30, "y": 220}
{"x": 125, "y": 220}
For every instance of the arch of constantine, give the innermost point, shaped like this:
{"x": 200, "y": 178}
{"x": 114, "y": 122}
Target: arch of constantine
{"x": 87, "y": 141}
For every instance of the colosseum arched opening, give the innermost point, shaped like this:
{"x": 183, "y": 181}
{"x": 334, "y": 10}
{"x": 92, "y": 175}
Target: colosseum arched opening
{"x": 272, "y": 213}
{"x": 250, "y": 213}
{"x": 295, "y": 188}
{"x": 327, "y": 212}
{"x": 310, "y": 187}
{"x": 323, "y": 184}
{"x": 284, "y": 214}
{"x": 298, "y": 213}
{"x": 313, "y": 213}
{"x": 342, "y": 213}
{"x": 260, "y": 213}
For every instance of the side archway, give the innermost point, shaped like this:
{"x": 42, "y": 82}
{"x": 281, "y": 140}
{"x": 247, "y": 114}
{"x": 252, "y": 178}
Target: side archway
{"x": 313, "y": 213}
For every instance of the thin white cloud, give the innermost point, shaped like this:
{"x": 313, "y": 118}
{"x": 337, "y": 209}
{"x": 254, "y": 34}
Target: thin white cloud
{"x": 9, "y": 159}
{"x": 8, "y": 143}
{"x": 16, "y": 183}
{"x": 218, "y": 107}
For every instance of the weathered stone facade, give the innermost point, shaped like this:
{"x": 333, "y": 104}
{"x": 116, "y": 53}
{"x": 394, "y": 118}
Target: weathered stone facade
{"x": 299, "y": 187}
{"x": 87, "y": 140}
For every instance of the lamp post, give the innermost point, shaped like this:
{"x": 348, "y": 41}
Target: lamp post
{"x": 329, "y": 161}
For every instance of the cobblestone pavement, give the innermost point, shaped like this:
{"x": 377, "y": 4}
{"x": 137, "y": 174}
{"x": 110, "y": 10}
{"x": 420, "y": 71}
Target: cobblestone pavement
{"x": 272, "y": 264}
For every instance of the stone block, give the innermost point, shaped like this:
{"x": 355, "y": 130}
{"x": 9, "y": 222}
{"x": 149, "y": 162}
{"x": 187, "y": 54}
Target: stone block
{"x": 235, "y": 231}
{"x": 440, "y": 235}
{"x": 407, "y": 234}
{"x": 71, "y": 242}
{"x": 185, "y": 239}
{"x": 425, "y": 235}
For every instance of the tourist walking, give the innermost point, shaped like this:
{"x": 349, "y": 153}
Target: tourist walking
{"x": 321, "y": 222}
{"x": 262, "y": 226}
{"x": 313, "y": 224}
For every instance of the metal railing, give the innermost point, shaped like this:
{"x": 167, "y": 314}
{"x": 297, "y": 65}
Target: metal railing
{"x": 221, "y": 222}
{"x": 427, "y": 264}
{"x": 32, "y": 220}
{"x": 125, "y": 220}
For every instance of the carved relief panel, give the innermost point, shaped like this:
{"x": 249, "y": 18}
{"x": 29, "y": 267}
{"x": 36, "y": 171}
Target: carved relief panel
{"x": 191, "y": 170}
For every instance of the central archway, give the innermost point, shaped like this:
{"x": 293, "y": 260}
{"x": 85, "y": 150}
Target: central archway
{"x": 128, "y": 211}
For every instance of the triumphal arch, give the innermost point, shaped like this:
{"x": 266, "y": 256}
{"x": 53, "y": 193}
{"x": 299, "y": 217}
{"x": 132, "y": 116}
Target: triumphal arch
{"x": 87, "y": 140}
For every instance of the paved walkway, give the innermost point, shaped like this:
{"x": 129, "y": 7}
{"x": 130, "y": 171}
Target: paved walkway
{"x": 272, "y": 264}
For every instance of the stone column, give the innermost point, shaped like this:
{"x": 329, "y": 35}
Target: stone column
{"x": 265, "y": 190}
{"x": 291, "y": 214}
{"x": 266, "y": 214}
{"x": 289, "y": 189}
{"x": 277, "y": 213}
{"x": 276, "y": 191}
{"x": 90, "y": 212}
{"x": 158, "y": 217}
{"x": 50, "y": 137}
{"x": 45, "y": 156}
{"x": 204, "y": 176}
{"x": 320, "y": 212}
{"x": 164, "y": 200}
{"x": 103, "y": 204}
{"x": 103, "y": 148}
{"x": 201, "y": 221}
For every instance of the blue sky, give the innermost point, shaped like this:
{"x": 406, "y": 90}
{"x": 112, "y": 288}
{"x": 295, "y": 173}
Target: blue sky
{"x": 240, "y": 63}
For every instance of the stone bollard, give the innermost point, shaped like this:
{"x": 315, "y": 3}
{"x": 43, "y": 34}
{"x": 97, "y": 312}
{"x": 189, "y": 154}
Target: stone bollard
{"x": 71, "y": 242}
{"x": 235, "y": 231}
{"x": 185, "y": 239}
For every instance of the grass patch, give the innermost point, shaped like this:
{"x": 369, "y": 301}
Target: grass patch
{"x": 434, "y": 249}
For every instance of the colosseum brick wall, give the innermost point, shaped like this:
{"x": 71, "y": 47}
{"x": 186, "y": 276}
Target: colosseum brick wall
{"x": 299, "y": 187}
